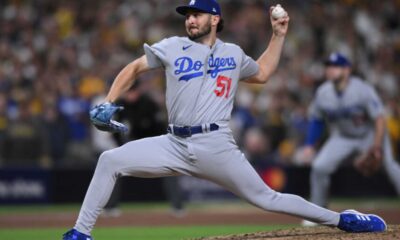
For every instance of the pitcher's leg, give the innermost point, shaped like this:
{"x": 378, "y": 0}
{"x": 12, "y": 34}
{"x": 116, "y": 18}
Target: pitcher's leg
{"x": 232, "y": 171}
{"x": 97, "y": 195}
{"x": 149, "y": 157}
{"x": 326, "y": 162}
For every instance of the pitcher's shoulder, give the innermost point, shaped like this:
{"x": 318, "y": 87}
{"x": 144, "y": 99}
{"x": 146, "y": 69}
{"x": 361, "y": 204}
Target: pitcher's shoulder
{"x": 165, "y": 42}
{"x": 232, "y": 46}
{"x": 171, "y": 40}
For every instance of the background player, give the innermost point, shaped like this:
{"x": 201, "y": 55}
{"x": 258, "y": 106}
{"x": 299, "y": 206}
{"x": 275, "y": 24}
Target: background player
{"x": 202, "y": 75}
{"x": 355, "y": 115}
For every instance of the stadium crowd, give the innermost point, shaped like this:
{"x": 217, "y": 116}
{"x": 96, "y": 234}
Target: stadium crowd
{"x": 59, "y": 57}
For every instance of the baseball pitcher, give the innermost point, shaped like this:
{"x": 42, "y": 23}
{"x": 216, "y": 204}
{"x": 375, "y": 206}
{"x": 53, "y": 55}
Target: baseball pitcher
{"x": 202, "y": 74}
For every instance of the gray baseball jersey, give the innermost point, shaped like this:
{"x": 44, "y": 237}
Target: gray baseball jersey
{"x": 352, "y": 112}
{"x": 201, "y": 81}
{"x": 351, "y": 116}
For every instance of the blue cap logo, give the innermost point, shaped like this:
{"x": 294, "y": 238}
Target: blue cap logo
{"x": 192, "y": 2}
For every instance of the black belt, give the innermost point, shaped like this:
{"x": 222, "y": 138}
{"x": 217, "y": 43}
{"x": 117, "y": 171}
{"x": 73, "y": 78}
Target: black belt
{"x": 188, "y": 131}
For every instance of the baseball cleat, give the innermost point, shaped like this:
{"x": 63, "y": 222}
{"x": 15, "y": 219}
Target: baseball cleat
{"x": 76, "y": 235}
{"x": 353, "y": 221}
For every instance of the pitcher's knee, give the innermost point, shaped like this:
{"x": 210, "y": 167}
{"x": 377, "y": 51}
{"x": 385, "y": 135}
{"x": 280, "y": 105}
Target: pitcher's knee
{"x": 274, "y": 203}
{"x": 106, "y": 160}
{"x": 281, "y": 202}
{"x": 267, "y": 200}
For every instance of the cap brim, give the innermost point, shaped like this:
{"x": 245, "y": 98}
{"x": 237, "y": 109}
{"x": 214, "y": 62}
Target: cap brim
{"x": 184, "y": 9}
{"x": 328, "y": 63}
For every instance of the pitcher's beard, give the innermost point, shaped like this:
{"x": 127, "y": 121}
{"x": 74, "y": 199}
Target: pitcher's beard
{"x": 199, "y": 34}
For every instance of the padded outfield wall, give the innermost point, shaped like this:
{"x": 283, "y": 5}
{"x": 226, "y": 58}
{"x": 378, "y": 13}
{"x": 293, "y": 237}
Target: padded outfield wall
{"x": 20, "y": 186}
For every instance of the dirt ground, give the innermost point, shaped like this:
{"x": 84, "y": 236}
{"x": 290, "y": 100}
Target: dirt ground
{"x": 315, "y": 233}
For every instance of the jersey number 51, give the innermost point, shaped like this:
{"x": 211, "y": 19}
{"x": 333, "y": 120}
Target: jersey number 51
{"x": 223, "y": 86}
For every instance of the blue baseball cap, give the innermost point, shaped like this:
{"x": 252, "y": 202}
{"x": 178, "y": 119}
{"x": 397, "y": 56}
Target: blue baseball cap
{"x": 207, "y": 6}
{"x": 337, "y": 59}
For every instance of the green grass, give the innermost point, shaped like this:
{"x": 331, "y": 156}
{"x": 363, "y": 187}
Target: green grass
{"x": 140, "y": 233}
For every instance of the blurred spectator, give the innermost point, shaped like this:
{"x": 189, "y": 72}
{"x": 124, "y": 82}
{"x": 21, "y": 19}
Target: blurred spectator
{"x": 258, "y": 149}
{"x": 393, "y": 123}
{"x": 142, "y": 113}
{"x": 57, "y": 134}
{"x": 75, "y": 110}
{"x": 272, "y": 120}
{"x": 25, "y": 143}
{"x": 4, "y": 123}
{"x": 243, "y": 116}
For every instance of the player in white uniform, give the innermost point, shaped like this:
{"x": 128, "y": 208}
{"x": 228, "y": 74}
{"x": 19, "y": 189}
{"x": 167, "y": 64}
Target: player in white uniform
{"x": 355, "y": 115}
{"x": 202, "y": 75}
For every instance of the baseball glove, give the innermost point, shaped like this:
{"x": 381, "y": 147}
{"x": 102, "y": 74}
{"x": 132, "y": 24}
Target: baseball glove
{"x": 101, "y": 115}
{"x": 369, "y": 162}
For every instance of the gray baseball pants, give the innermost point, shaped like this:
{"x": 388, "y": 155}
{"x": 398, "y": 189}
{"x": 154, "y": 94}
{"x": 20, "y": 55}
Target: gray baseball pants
{"x": 213, "y": 156}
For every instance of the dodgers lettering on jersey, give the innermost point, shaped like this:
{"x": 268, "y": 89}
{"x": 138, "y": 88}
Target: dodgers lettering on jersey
{"x": 201, "y": 81}
{"x": 194, "y": 68}
{"x": 352, "y": 112}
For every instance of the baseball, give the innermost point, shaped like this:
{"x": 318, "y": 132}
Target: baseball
{"x": 278, "y": 12}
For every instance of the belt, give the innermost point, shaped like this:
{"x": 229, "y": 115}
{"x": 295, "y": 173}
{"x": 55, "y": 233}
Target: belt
{"x": 188, "y": 131}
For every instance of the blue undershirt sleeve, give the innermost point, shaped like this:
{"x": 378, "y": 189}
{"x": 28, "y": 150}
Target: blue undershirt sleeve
{"x": 315, "y": 129}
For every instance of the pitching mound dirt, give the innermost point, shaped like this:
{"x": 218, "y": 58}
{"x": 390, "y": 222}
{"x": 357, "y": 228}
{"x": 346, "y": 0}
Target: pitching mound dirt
{"x": 313, "y": 233}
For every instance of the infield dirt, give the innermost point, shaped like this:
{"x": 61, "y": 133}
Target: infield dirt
{"x": 314, "y": 233}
